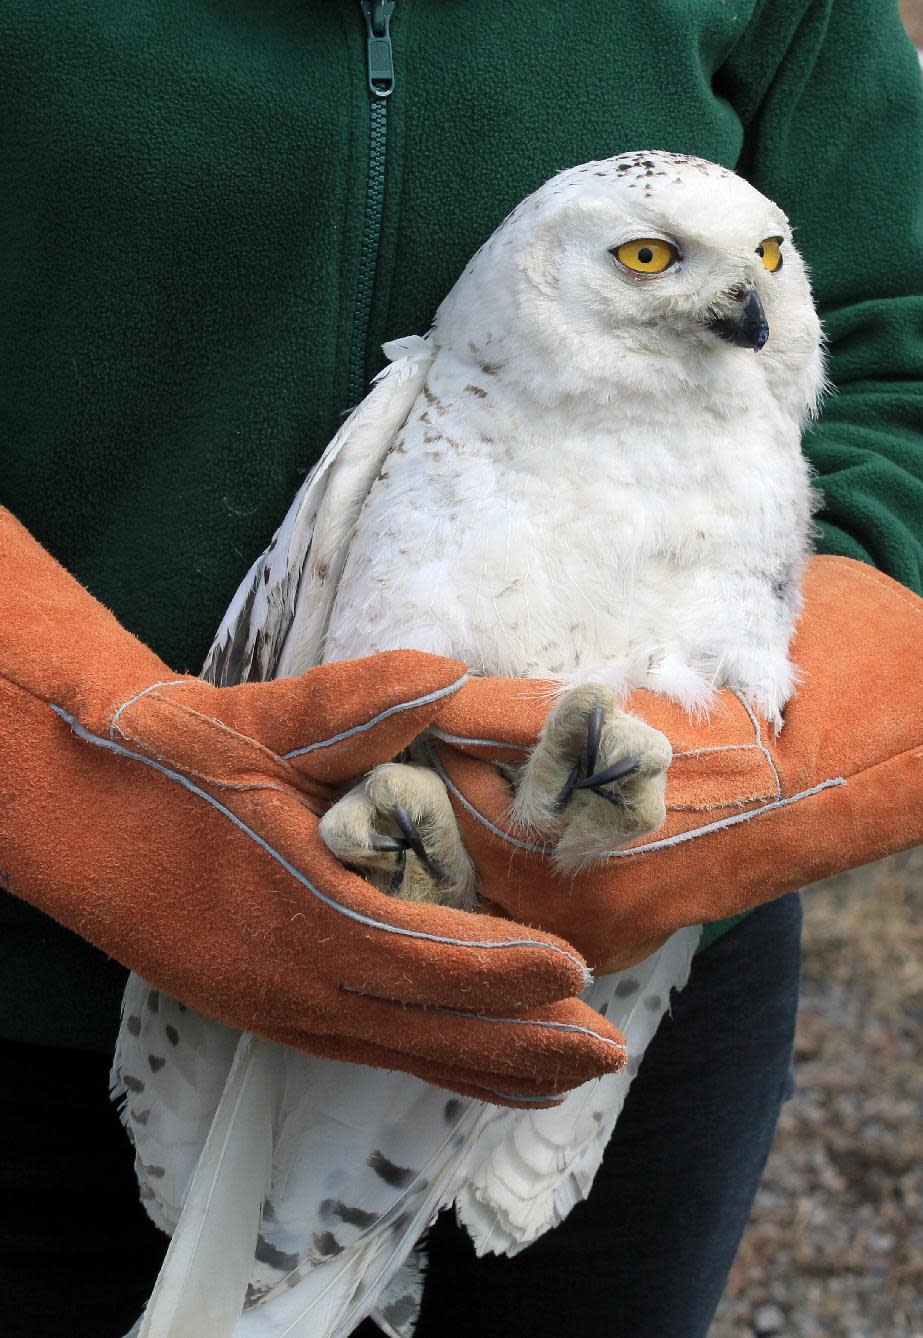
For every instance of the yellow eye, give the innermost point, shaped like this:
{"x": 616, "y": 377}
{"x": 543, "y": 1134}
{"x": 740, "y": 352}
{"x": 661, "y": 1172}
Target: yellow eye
{"x": 648, "y": 255}
{"x": 769, "y": 251}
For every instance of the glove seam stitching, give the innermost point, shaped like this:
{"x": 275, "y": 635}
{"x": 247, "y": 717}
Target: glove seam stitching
{"x": 573, "y": 1027}
{"x": 101, "y": 741}
{"x": 679, "y": 839}
{"x": 211, "y": 721}
{"x": 151, "y": 687}
{"x": 389, "y": 711}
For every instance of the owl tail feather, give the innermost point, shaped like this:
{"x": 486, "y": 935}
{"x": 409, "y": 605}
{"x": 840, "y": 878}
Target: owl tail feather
{"x": 548, "y": 1159}
{"x": 203, "y": 1282}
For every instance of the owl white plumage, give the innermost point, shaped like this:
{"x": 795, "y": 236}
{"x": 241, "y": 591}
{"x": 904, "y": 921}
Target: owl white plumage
{"x": 586, "y": 472}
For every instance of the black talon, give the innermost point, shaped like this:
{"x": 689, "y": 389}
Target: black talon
{"x": 569, "y": 787}
{"x": 413, "y": 841}
{"x": 594, "y": 729}
{"x": 398, "y": 876}
{"x": 585, "y": 777}
{"x": 626, "y": 766}
{"x": 386, "y": 844}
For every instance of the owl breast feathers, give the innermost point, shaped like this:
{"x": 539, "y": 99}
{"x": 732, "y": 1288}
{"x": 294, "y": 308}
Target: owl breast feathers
{"x": 590, "y": 471}
{"x": 586, "y": 478}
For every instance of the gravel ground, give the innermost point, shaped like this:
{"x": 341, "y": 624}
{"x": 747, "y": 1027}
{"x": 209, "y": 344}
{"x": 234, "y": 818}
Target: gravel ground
{"x": 834, "y": 1248}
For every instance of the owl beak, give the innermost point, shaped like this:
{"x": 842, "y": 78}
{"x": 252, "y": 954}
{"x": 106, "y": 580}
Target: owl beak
{"x": 748, "y": 327}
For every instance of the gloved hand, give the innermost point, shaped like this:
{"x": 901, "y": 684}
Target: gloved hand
{"x": 749, "y": 816}
{"x": 160, "y": 818}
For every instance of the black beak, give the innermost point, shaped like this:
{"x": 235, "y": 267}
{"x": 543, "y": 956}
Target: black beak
{"x": 748, "y": 328}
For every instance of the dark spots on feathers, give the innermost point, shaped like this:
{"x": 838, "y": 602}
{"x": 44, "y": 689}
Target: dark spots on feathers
{"x": 654, "y": 1003}
{"x": 627, "y": 986}
{"x": 155, "y": 1063}
{"x": 603, "y": 1009}
{"x": 472, "y": 389}
{"x": 134, "y": 1025}
{"x": 452, "y": 1110}
{"x": 326, "y": 1243}
{"x": 139, "y": 1116}
{"x": 490, "y": 368}
{"x": 172, "y": 1034}
{"x": 351, "y": 1216}
{"x": 131, "y": 1083}
{"x": 392, "y": 1174}
{"x": 153, "y": 1172}
{"x": 254, "y": 1294}
{"x": 266, "y": 1253}
{"x": 153, "y": 1001}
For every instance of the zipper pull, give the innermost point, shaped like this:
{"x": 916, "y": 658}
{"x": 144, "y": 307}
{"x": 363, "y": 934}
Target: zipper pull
{"x": 379, "y": 50}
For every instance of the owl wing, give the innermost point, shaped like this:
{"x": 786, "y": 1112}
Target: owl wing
{"x": 172, "y": 1066}
{"x": 276, "y": 622}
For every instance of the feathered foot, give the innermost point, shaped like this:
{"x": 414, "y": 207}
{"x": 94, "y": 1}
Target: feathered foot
{"x": 595, "y": 780}
{"x": 397, "y": 828}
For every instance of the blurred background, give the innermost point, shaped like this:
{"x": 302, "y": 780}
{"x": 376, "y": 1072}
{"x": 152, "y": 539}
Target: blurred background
{"x": 834, "y": 1248}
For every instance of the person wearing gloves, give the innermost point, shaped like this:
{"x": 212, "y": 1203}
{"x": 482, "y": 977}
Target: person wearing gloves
{"x": 211, "y": 224}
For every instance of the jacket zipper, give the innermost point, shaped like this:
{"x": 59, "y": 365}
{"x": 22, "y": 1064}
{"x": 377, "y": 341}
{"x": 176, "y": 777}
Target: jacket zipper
{"x": 380, "y": 68}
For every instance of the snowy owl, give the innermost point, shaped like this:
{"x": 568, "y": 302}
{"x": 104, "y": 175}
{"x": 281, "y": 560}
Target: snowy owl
{"x": 588, "y": 472}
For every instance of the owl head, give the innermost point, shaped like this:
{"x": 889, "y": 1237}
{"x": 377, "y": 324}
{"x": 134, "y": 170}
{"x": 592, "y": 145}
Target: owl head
{"x": 639, "y": 274}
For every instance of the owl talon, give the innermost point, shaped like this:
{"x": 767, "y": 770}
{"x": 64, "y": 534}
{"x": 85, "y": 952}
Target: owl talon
{"x": 620, "y": 770}
{"x": 412, "y": 840}
{"x": 421, "y": 858}
{"x": 618, "y": 758}
{"x": 584, "y": 776}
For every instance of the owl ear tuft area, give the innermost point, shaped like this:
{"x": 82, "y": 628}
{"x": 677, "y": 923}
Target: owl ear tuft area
{"x": 540, "y": 262}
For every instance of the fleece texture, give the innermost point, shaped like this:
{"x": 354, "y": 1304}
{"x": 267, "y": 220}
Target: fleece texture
{"x": 185, "y": 264}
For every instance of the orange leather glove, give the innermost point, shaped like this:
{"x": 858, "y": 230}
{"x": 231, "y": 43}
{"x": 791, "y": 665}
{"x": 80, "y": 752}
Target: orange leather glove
{"x": 749, "y": 816}
{"x": 158, "y": 817}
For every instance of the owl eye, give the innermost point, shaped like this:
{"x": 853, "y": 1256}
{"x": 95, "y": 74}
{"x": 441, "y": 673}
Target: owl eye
{"x": 769, "y": 251}
{"x": 647, "y": 255}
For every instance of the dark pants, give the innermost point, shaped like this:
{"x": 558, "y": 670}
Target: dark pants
{"x": 646, "y": 1256}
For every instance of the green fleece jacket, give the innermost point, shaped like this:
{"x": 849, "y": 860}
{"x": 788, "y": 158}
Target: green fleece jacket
{"x": 208, "y": 226}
